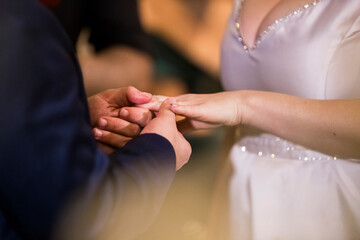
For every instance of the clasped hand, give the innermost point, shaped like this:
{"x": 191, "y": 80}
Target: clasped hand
{"x": 116, "y": 118}
{"x": 118, "y": 115}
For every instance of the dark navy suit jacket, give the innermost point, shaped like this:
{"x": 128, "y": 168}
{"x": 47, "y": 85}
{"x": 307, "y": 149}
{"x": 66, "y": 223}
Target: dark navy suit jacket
{"x": 49, "y": 163}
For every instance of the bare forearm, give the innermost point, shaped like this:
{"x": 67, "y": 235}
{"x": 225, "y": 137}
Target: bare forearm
{"x": 329, "y": 126}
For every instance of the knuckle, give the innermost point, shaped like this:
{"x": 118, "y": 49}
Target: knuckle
{"x": 148, "y": 116}
{"x": 135, "y": 129}
{"x": 129, "y": 89}
{"x": 116, "y": 124}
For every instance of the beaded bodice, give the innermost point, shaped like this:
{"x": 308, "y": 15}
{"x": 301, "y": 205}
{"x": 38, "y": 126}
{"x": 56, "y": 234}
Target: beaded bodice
{"x": 308, "y": 55}
{"x": 313, "y": 53}
{"x": 271, "y": 27}
{"x": 268, "y": 145}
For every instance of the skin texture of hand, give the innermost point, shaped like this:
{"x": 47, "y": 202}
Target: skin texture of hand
{"x": 203, "y": 111}
{"x": 105, "y": 109}
{"x": 165, "y": 125}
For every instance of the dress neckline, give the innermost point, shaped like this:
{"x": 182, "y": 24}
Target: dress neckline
{"x": 271, "y": 27}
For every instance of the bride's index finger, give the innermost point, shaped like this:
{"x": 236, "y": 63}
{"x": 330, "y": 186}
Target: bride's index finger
{"x": 155, "y": 103}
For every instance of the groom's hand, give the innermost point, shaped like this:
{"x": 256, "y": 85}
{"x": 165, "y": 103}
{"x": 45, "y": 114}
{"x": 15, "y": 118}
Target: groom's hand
{"x": 165, "y": 125}
{"x": 110, "y": 102}
{"x": 106, "y": 110}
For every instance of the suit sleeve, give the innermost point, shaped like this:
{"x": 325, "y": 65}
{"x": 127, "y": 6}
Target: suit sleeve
{"x": 51, "y": 171}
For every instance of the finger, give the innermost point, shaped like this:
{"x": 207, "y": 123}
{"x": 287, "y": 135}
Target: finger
{"x": 119, "y": 126}
{"x": 135, "y": 96}
{"x": 187, "y": 125}
{"x": 126, "y": 96}
{"x": 165, "y": 109}
{"x": 140, "y": 116}
{"x": 155, "y": 103}
{"x": 164, "y": 124}
{"x": 189, "y": 111}
{"x": 112, "y": 139}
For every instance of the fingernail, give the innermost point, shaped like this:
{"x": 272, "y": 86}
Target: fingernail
{"x": 97, "y": 133}
{"x": 124, "y": 113}
{"x": 102, "y": 122}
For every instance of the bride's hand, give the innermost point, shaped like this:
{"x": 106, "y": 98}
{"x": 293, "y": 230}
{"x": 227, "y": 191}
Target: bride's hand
{"x": 204, "y": 111}
{"x": 208, "y": 110}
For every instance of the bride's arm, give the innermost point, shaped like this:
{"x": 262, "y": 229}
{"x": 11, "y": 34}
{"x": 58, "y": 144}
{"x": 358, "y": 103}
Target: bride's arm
{"x": 329, "y": 126}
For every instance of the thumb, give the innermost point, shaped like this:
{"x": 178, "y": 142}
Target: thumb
{"x": 155, "y": 103}
{"x": 165, "y": 109}
{"x": 164, "y": 124}
{"x": 134, "y": 96}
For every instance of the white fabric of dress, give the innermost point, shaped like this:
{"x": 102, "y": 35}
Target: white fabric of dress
{"x": 280, "y": 190}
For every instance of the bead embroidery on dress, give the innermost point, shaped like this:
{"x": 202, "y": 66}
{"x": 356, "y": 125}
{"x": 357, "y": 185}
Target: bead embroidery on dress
{"x": 270, "y": 27}
{"x": 265, "y": 145}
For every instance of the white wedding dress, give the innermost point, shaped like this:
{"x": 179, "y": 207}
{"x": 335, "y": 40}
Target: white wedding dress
{"x": 280, "y": 190}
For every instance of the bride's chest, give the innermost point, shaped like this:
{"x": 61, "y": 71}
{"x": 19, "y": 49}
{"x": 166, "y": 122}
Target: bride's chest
{"x": 255, "y": 16}
{"x": 301, "y": 54}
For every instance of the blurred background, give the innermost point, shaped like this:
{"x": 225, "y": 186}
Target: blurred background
{"x": 186, "y": 35}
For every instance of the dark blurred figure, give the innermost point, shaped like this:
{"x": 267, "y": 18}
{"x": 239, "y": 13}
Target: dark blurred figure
{"x": 50, "y": 164}
{"x": 119, "y": 52}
